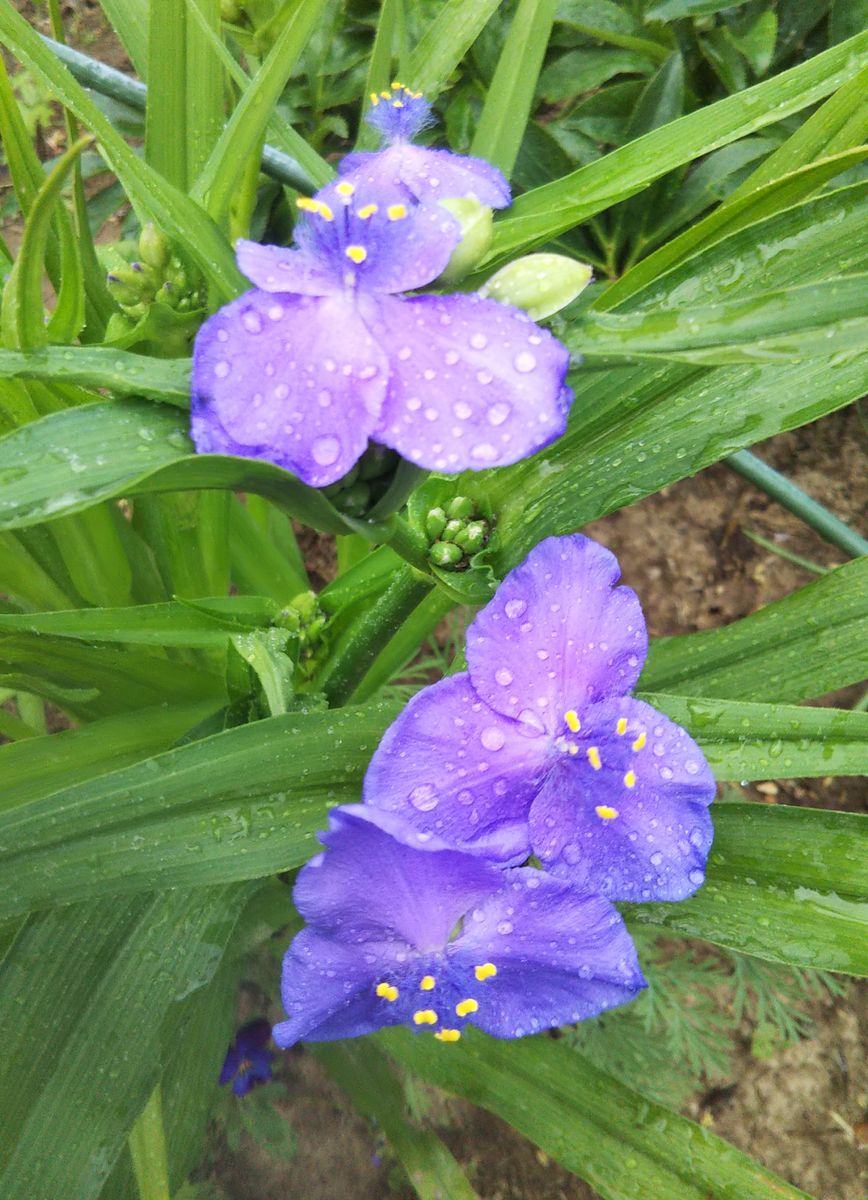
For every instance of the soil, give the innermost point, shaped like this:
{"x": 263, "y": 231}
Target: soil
{"x": 686, "y": 551}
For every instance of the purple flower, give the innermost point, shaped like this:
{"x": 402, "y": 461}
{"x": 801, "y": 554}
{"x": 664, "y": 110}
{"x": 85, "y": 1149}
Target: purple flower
{"x": 320, "y": 356}
{"x": 433, "y": 938}
{"x": 248, "y": 1062}
{"x": 428, "y": 175}
{"x": 538, "y": 749}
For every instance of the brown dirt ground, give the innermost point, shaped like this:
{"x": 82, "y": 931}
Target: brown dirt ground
{"x": 802, "y": 1112}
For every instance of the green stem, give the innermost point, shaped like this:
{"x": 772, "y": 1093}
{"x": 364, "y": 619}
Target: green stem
{"x": 356, "y": 652}
{"x": 786, "y": 493}
{"x": 796, "y": 559}
{"x": 147, "y": 1141}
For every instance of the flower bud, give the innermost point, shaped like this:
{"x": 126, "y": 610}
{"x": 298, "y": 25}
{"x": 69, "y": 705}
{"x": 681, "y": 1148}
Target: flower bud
{"x": 460, "y": 508}
{"x": 435, "y": 523}
{"x": 445, "y": 554}
{"x": 541, "y": 284}
{"x": 472, "y": 537}
{"x": 153, "y": 248}
{"x": 452, "y": 527}
{"x": 477, "y": 229}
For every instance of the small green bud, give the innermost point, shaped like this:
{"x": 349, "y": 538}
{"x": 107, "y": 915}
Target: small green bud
{"x": 541, "y": 284}
{"x": 472, "y": 536}
{"x": 445, "y": 554}
{"x": 435, "y": 523}
{"x": 120, "y": 291}
{"x": 451, "y": 529}
{"x": 304, "y": 605}
{"x": 477, "y": 230}
{"x": 460, "y": 508}
{"x": 153, "y": 248}
{"x": 230, "y": 10}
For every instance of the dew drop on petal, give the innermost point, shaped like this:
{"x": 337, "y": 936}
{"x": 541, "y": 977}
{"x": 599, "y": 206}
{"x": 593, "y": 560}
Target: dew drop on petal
{"x": 656, "y": 858}
{"x": 503, "y": 676}
{"x": 504, "y": 927}
{"x": 524, "y": 362}
{"x": 252, "y": 321}
{"x": 515, "y": 608}
{"x": 498, "y": 413}
{"x": 423, "y": 797}
{"x": 276, "y": 312}
{"x": 462, "y": 410}
{"x": 696, "y": 877}
{"x": 221, "y": 369}
{"x": 483, "y": 452}
{"x": 464, "y": 797}
{"x": 478, "y": 341}
{"x": 325, "y": 450}
{"x": 492, "y": 738}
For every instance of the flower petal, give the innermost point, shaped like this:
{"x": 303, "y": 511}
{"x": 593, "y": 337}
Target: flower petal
{"x": 474, "y": 383}
{"x": 297, "y": 381}
{"x": 277, "y": 269}
{"x": 454, "y": 768}
{"x": 557, "y": 635}
{"x": 430, "y": 175}
{"x": 637, "y": 827}
{"x": 559, "y": 956}
{"x": 370, "y": 886}
{"x": 253, "y": 1037}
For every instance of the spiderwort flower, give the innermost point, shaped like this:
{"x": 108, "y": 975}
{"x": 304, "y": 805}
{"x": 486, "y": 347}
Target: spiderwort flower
{"x": 538, "y": 749}
{"x": 428, "y": 175}
{"x": 434, "y": 938}
{"x": 248, "y": 1062}
{"x": 321, "y": 355}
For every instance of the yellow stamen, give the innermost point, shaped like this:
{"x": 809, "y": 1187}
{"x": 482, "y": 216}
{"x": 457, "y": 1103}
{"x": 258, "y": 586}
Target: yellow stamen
{"x": 356, "y": 254}
{"x": 367, "y": 211}
{"x": 594, "y": 757}
{"x": 572, "y": 719}
{"x": 387, "y": 991}
{"x": 448, "y": 1035}
{"x": 386, "y": 95}
{"x": 605, "y": 812}
{"x": 427, "y": 983}
{"x": 486, "y": 971}
{"x": 425, "y": 1016}
{"x": 396, "y": 212}
{"x": 375, "y": 99}
{"x": 622, "y": 726}
{"x": 630, "y": 779}
{"x": 307, "y": 205}
{"x": 640, "y": 741}
{"x": 397, "y": 104}
{"x": 466, "y": 1007}
{"x": 345, "y": 189}
{"x": 325, "y": 212}
{"x": 396, "y": 84}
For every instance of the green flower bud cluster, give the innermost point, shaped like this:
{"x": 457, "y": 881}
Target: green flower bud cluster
{"x": 365, "y": 483}
{"x": 304, "y": 618}
{"x": 456, "y": 532}
{"x": 147, "y": 272}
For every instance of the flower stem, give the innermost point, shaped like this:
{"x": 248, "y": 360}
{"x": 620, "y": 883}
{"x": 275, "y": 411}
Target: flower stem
{"x": 147, "y": 1141}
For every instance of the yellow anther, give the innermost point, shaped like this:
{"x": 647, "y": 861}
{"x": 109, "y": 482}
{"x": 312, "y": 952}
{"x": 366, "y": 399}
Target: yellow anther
{"x": 375, "y": 99}
{"x": 345, "y": 189}
{"x": 324, "y": 211}
{"x": 387, "y": 991}
{"x": 425, "y": 1016}
{"x": 486, "y": 971}
{"x": 386, "y": 95}
{"x": 427, "y": 983}
{"x": 307, "y": 205}
{"x": 356, "y": 254}
{"x": 622, "y": 726}
{"x": 396, "y": 212}
{"x": 466, "y": 1007}
{"x": 396, "y": 84}
{"x": 448, "y": 1035}
{"x": 397, "y": 104}
{"x": 605, "y": 812}
{"x": 630, "y": 779}
{"x": 640, "y": 741}
{"x": 367, "y": 211}
{"x": 572, "y": 719}
{"x": 594, "y": 757}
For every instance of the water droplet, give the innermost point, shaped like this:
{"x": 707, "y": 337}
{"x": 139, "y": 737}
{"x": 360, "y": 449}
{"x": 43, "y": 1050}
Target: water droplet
{"x": 464, "y": 797}
{"x": 515, "y": 608}
{"x": 696, "y": 877}
{"x": 503, "y": 676}
{"x": 275, "y": 312}
{"x": 252, "y": 321}
{"x": 462, "y": 410}
{"x": 423, "y": 797}
{"x": 504, "y": 927}
{"x": 498, "y": 413}
{"x": 656, "y": 858}
{"x": 478, "y": 341}
{"x": 484, "y": 376}
{"x": 323, "y": 399}
{"x": 325, "y": 450}
{"x": 524, "y": 362}
{"x": 221, "y": 369}
{"x": 492, "y": 738}
{"x": 483, "y": 452}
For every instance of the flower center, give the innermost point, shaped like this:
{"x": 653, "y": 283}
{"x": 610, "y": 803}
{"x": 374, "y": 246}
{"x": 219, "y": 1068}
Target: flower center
{"x": 608, "y": 756}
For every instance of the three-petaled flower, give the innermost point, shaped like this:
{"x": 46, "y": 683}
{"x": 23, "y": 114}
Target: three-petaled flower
{"x": 248, "y": 1061}
{"x": 433, "y": 938}
{"x": 538, "y": 749}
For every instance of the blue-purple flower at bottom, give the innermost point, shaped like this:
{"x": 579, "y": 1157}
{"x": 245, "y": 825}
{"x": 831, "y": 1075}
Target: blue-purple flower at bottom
{"x": 321, "y": 356}
{"x": 248, "y": 1061}
{"x": 428, "y": 175}
{"x": 434, "y": 939}
{"x": 538, "y": 749}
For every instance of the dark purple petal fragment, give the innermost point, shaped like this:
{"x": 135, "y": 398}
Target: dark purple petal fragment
{"x": 637, "y": 826}
{"x": 429, "y": 175}
{"x": 558, "y": 634}
{"x": 369, "y": 885}
{"x": 559, "y": 956}
{"x": 454, "y": 768}
{"x": 474, "y": 383}
{"x": 294, "y": 380}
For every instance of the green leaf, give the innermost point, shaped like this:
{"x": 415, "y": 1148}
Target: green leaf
{"x": 364, "y": 1073}
{"x": 605, "y": 21}
{"x": 802, "y": 646}
{"x": 580, "y": 71}
{"x": 787, "y": 325}
{"x": 245, "y": 129}
{"x": 92, "y": 985}
{"x": 130, "y": 20}
{"x": 745, "y": 741}
{"x": 128, "y": 449}
{"x": 237, "y": 805}
{"x": 511, "y": 91}
{"x": 446, "y": 40}
{"x": 626, "y": 1147}
{"x": 785, "y": 884}
{"x": 545, "y": 212}
{"x": 154, "y": 198}
{"x": 147, "y": 1142}
{"x": 674, "y": 10}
